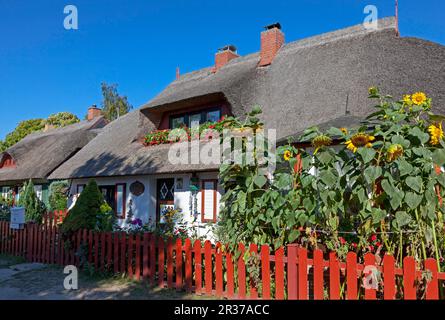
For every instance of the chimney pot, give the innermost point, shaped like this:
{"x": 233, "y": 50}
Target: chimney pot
{"x": 224, "y": 55}
{"x": 94, "y": 112}
{"x": 272, "y": 39}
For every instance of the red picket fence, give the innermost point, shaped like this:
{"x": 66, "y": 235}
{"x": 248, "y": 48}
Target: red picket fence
{"x": 54, "y": 218}
{"x": 290, "y": 272}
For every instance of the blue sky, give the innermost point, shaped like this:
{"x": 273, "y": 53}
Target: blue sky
{"x": 139, "y": 43}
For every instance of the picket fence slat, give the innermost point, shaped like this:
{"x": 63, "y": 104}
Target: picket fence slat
{"x": 389, "y": 278}
{"x": 279, "y": 274}
{"x": 241, "y": 273}
{"x": 265, "y": 271}
{"x": 198, "y": 266}
{"x": 206, "y": 268}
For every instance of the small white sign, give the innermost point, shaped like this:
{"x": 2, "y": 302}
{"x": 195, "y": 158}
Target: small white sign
{"x": 17, "y": 218}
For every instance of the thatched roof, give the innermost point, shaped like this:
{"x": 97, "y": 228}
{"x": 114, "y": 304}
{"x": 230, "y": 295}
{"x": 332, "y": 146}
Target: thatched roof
{"x": 311, "y": 81}
{"x": 39, "y": 154}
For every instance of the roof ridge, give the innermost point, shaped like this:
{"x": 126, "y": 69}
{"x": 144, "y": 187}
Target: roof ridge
{"x": 355, "y": 30}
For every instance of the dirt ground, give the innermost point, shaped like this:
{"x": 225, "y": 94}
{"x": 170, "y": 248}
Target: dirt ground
{"x": 21, "y": 281}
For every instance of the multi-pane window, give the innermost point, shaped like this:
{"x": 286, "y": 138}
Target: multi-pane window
{"x": 193, "y": 119}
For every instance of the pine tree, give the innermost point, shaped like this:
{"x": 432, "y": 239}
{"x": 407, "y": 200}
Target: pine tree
{"x": 90, "y": 212}
{"x": 34, "y": 208}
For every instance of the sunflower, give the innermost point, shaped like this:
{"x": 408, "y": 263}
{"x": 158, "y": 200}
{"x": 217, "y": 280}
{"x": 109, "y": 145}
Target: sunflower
{"x": 373, "y": 91}
{"x": 394, "y": 152}
{"x": 321, "y": 141}
{"x": 419, "y": 98}
{"x": 359, "y": 140}
{"x": 436, "y": 133}
{"x": 407, "y": 100}
{"x": 287, "y": 155}
{"x": 344, "y": 130}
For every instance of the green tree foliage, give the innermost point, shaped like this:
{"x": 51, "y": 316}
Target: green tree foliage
{"x": 22, "y": 130}
{"x": 27, "y": 127}
{"x": 58, "y": 195}
{"x": 90, "y": 212}
{"x": 62, "y": 119}
{"x": 113, "y": 105}
{"x": 34, "y": 208}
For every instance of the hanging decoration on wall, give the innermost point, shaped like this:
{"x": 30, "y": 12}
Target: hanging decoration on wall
{"x": 194, "y": 190}
{"x": 137, "y": 188}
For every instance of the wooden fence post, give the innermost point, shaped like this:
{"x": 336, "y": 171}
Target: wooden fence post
{"x": 318, "y": 275}
{"x": 265, "y": 271}
{"x": 198, "y": 266}
{"x": 178, "y": 264}
{"x": 137, "y": 258}
{"x": 208, "y": 269}
{"x": 279, "y": 274}
{"x": 146, "y": 256}
{"x": 188, "y": 265}
{"x": 241, "y": 273}
{"x": 389, "y": 278}
{"x": 351, "y": 276}
{"x": 116, "y": 252}
{"x": 302, "y": 274}
{"x": 219, "y": 278}
{"x": 409, "y": 279}
{"x": 432, "y": 286}
{"x": 170, "y": 263}
{"x": 161, "y": 262}
{"x": 253, "y": 249}
{"x": 334, "y": 277}
{"x": 292, "y": 272}
{"x": 369, "y": 260}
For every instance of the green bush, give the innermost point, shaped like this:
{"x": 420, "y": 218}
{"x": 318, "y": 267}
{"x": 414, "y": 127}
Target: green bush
{"x": 34, "y": 208}
{"x": 58, "y": 195}
{"x": 90, "y": 212}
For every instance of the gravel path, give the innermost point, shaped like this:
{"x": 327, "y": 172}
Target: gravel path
{"x": 42, "y": 282}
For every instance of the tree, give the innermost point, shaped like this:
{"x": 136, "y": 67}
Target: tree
{"x": 90, "y": 212}
{"x": 58, "y": 195}
{"x": 34, "y": 208}
{"x": 21, "y": 131}
{"x": 27, "y": 127}
{"x": 62, "y": 119}
{"x": 113, "y": 105}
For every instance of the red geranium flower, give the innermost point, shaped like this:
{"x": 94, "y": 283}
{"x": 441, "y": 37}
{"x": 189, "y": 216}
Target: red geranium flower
{"x": 373, "y": 237}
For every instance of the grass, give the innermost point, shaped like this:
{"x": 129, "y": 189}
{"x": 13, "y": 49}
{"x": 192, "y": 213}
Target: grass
{"x": 7, "y": 260}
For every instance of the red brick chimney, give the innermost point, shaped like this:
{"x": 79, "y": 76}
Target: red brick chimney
{"x": 271, "y": 41}
{"x": 224, "y": 55}
{"x": 93, "y": 112}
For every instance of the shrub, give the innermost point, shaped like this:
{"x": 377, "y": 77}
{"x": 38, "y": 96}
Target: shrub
{"x": 90, "y": 212}
{"x": 34, "y": 208}
{"x": 58, "y": 195}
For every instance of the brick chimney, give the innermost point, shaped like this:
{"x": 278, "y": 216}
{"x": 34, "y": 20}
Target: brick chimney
{"x": 224, "y": 55}
{"x": 93, "y": 112}
{"x": 271, "y": 41}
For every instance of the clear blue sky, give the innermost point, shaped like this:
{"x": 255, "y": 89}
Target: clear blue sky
{"x": 138, "y": 43}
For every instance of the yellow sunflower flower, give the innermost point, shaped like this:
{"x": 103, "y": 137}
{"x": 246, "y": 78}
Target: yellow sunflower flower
{"x": 394, "y": 152}
{"x": 419, "y": 98}
{"x": 407, "y": 100}
{"x": 287, "y": 155}
{"x": 359, "y": 140}
{"x": 436, "y": 133}
{"x": 344, "y": 130}
{"x": 321, "y": 141}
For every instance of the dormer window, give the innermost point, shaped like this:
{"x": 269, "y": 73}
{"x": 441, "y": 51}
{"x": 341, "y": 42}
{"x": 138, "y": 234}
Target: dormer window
{"x": 195, "y": 118}
{"x": 7, "y": 162}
